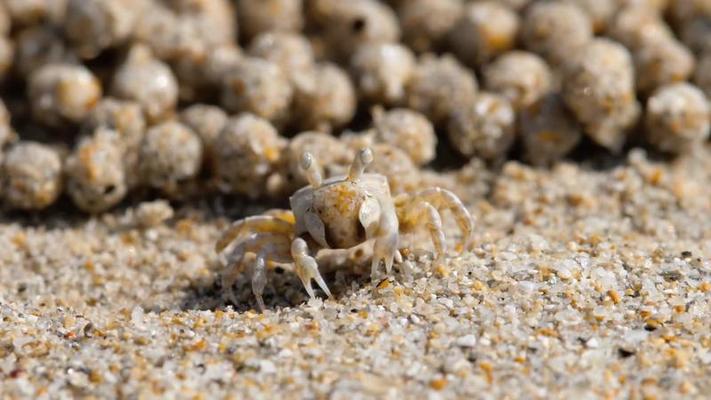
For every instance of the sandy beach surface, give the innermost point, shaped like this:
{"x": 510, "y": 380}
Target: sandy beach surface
{"x": 582, "y": 282}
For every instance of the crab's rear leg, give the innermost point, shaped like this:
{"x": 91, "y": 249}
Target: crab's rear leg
{"x": 259, "y": 276}
{"x": 280, "y": 222}
{"x": 282, "y": 214}
{"x": 266, "y": 246}
{"x": 306, "y": 267}
{"x": 442, "y": 199}
{"x": 415, "y": 213}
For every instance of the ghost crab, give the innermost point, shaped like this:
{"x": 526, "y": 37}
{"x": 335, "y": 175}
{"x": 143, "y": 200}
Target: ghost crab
{"x": 339, "y": 213}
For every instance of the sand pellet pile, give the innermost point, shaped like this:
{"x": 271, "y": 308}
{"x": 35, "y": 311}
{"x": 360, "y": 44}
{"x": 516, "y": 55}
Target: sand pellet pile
{"x": 157, "y": 98}
{"x": 581, "y": 283}
{"x": 133, "y": 132}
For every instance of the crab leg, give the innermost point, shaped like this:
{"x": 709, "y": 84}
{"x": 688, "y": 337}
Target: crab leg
{"x": 284, "y": 215}
{"x": 416, "y": 212}
{"x": 259, "y": 224}
{"x": 306, "y": 267}
{"x": 267, "y": 246}
{"x": 254, "y": 243}
{"x": 259, "y": 280}
{"x": 443, "y": 199}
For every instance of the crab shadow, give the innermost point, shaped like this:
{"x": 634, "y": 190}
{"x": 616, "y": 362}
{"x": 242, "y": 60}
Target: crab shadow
{"x": 283, "y": 290}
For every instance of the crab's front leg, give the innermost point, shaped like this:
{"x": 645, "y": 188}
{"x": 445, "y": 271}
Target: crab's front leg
{"x": 306, "y": 267}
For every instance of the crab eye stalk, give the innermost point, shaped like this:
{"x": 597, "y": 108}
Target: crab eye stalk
{"x": 366, "y": 156}
{"x": 311, "y": 170}
{"x": 361, "y": 161}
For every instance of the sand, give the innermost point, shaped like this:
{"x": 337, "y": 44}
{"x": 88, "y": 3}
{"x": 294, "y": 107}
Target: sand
{"x": 582, "y": 283}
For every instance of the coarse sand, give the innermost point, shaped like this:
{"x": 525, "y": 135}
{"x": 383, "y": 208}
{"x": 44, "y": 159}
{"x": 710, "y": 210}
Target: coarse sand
{"x": 582, "y": 282}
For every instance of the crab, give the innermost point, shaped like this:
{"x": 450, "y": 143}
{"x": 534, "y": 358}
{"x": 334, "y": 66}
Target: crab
{"x": 337, "y": 214}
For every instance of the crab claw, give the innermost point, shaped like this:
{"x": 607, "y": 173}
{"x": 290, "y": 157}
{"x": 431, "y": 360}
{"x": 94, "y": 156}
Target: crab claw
{"x": 307, "y": 268}
{"x": 385, "y": 250}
